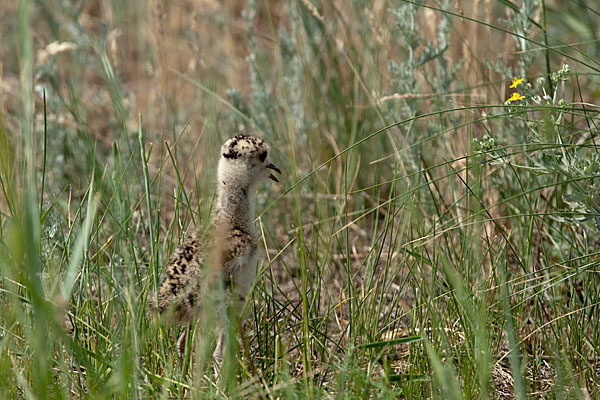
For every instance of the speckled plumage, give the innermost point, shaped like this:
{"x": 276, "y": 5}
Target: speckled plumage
{"x": 181, "y": 285}
{"x": 231, "y": 245}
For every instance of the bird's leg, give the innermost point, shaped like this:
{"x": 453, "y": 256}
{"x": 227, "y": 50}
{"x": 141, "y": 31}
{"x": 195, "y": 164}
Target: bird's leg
{"x": 242, "y": 332}
{"x": 218, "y": 353}
{"x": 181, "y": 344}
{"x": 220, "y": 331}
{"x": 181, "y": 353}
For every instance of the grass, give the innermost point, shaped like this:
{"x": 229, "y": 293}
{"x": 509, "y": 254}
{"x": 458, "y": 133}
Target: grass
{"x": 428, "y": 239}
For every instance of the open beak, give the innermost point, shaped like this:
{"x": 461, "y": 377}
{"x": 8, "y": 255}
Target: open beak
{"x": 274, "y": 168}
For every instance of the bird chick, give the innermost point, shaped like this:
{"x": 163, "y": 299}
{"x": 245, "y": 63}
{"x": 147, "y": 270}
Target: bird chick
{"x": 229, "y": 251}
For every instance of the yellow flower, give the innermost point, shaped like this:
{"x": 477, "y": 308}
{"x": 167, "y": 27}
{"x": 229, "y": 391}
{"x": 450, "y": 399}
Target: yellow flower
{"x": 514, "y": 97}
{"x": 516, "y": 82}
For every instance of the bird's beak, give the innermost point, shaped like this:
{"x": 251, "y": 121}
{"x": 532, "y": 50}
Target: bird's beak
{"x": 274, "y": 168}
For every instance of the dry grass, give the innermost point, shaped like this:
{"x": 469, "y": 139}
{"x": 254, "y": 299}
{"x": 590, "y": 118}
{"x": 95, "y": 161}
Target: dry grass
{"x": 372, "y": 236}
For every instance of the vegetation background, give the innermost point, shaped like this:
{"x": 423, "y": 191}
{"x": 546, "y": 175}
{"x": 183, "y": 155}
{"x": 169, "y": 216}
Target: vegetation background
{"x": 428, "y": 238}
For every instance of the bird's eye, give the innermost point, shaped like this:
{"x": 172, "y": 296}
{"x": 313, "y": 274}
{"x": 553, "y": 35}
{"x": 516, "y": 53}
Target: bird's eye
{"x": 263, "y": 156}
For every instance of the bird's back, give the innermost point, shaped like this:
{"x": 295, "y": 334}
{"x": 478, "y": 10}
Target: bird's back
{"x": 178, "y": 292}
{"x": 232, "y": 253}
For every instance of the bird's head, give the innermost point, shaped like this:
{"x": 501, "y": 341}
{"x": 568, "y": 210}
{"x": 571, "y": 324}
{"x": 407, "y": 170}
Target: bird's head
{"x": 245, "y": 161}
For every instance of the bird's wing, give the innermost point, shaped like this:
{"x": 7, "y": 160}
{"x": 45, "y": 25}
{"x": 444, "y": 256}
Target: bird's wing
{"x": 180, "y": 285}
{"x": 183, "y": 287}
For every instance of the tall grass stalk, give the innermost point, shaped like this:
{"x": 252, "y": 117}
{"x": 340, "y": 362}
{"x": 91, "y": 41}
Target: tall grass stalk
{"x": 429, "y": 238}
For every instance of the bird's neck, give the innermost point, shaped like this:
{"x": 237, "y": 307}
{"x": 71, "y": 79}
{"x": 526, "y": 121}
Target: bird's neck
{"x": 235, "y": 204}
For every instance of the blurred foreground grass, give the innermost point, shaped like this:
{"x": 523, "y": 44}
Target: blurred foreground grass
{"x": 428, "y": 239}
